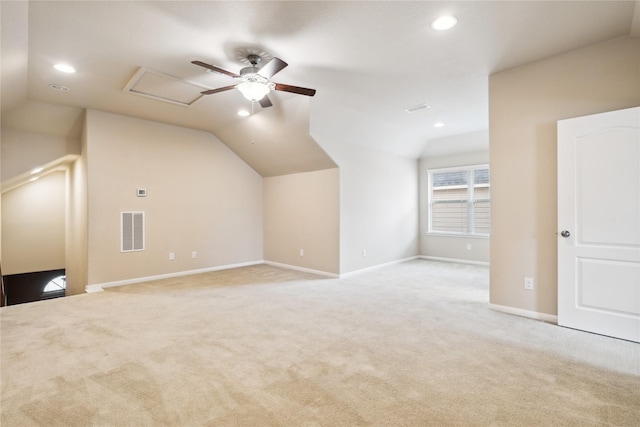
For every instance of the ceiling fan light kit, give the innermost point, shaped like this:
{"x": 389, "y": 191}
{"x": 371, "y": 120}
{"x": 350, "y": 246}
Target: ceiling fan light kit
{"x": 254, "y": 81}
{"x": 254, "y": 90}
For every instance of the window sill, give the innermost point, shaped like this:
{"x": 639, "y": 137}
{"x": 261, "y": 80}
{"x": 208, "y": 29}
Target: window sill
{"x": 462, "y": 235}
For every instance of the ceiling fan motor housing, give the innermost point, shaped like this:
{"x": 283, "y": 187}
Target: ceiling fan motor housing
{"x": 247, "y": 71}
{"x": 254, "y": 60}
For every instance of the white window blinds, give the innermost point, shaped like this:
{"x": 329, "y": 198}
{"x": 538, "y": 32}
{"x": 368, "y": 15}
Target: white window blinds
{"x": 459, "y": 201}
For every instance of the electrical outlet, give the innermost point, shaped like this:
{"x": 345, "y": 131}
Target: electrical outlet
{"x": 172, "y": 256}
{"x": 301, "y": 252}
{"x": 469, "y": 246}
{"x": 528, "y": 283}
{"x": 364, "y": 252}
{"x": 194, "y": 254}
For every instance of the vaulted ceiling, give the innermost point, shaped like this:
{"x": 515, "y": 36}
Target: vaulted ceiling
{"x": 367, "y": 60}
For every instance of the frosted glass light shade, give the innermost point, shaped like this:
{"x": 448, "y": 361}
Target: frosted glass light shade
{"x": 253, "y": 91}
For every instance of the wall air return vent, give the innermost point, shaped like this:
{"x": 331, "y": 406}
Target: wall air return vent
{"x": 132, "y": 231}
{"x": 165, "y": 88}
{"x": 416, "y": 108}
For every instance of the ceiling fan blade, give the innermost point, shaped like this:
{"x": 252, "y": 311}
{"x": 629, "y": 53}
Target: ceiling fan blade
{"x": 272, "y": 67}
{"x": 220, "y": 89}
{"x": 265, "y": 102}
{"x": 295, "y": 89}
{"x": 216, "y": 69}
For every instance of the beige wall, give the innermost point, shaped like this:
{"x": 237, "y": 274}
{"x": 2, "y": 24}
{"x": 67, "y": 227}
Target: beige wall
{"x": 446, "y": 246}
{"x": 77, "y": 223}
{"x": 302, "y": 211}
{"x": 378, "y": 205}
{"x": 524, "y": 105}
{"x": 201, "y": 197}
{"x": 33, "y": 226}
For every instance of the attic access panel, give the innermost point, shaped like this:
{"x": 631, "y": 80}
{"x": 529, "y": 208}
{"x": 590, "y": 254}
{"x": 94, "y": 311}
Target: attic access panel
{"x": 162, "y": 87}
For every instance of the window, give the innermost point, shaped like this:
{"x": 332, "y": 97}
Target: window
{"x": 459, "y": 201}
{"x": 56, "y": 285}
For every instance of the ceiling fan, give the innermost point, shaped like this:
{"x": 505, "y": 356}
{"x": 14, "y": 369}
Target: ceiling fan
{"x": 254, "y": 81}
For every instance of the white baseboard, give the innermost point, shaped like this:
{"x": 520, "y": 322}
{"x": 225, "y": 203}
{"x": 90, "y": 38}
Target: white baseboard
{"x": 459, "y": 261}
{"x": 92, "y": 289}
{"x": 99, "y": 287}
{"x": 306, "y": 270}
{"x": 549, "y": 318}
{"x": 376, "y": 267}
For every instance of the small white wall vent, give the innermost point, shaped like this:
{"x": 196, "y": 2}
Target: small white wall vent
{"x": 416, "y": 108}
{"x": 132, "y": 231}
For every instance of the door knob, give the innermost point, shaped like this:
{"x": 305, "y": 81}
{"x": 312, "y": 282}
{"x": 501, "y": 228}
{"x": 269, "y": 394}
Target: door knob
{"x": 565, "y": 233}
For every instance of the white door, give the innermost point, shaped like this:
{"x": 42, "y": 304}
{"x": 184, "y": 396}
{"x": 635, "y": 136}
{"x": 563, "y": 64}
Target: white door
{"x": 599, "y": 223}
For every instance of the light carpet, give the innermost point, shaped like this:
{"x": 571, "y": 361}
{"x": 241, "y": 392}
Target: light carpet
{"x": 413, "y": 344}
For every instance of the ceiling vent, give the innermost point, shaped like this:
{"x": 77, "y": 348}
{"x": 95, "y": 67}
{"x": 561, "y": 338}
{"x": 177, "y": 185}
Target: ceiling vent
{"x": 418, "y": 107}
{"x": 165, "y": 88}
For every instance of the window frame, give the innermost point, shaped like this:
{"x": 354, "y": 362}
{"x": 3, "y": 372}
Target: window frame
{"x": 54, "y": 286}
{"x": 470, "y": 201}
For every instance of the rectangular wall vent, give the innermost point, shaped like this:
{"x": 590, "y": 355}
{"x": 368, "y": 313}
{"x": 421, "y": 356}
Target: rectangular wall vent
{"x": 418, "y": 107}
{"x": 132, "y": 231}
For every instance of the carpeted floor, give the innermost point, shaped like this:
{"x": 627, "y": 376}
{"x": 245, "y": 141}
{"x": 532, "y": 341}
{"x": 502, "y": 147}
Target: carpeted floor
{"x": 412, "y": 344}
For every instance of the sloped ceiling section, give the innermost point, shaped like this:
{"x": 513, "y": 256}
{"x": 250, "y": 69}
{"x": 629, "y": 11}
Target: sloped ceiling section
{"x": 368, "y": 61}
{"x": 14, "y": 44}
{"x": 276, "y": 141}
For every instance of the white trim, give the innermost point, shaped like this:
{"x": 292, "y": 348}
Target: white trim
{"x": 376, "y": 267}
{"x": 99, "y": 287}
{"x": 458, "y": 261}
{"x": 306, "y": 270}
{"x": 460, "y": 168}
{"x": 92, "y": 289}
{"x": 549, "y": 318}
{"x": 456, "y": 235}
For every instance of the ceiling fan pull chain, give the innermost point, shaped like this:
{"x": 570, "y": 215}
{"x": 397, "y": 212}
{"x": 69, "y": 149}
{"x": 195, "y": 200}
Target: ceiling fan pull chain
{"x": 251, "y": 124}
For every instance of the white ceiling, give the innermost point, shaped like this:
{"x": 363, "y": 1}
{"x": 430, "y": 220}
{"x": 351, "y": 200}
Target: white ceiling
{"x": 368, "y": 61}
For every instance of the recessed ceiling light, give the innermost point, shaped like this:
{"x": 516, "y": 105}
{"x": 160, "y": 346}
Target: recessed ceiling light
{"x": 36, "y": 170}
{"x": 243, "y": 113}
{"x": 438, "y": 125}
{"x": 59, "y": 88}
{"x": 444, "y": 22}
{"x": 65, "y": 68}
